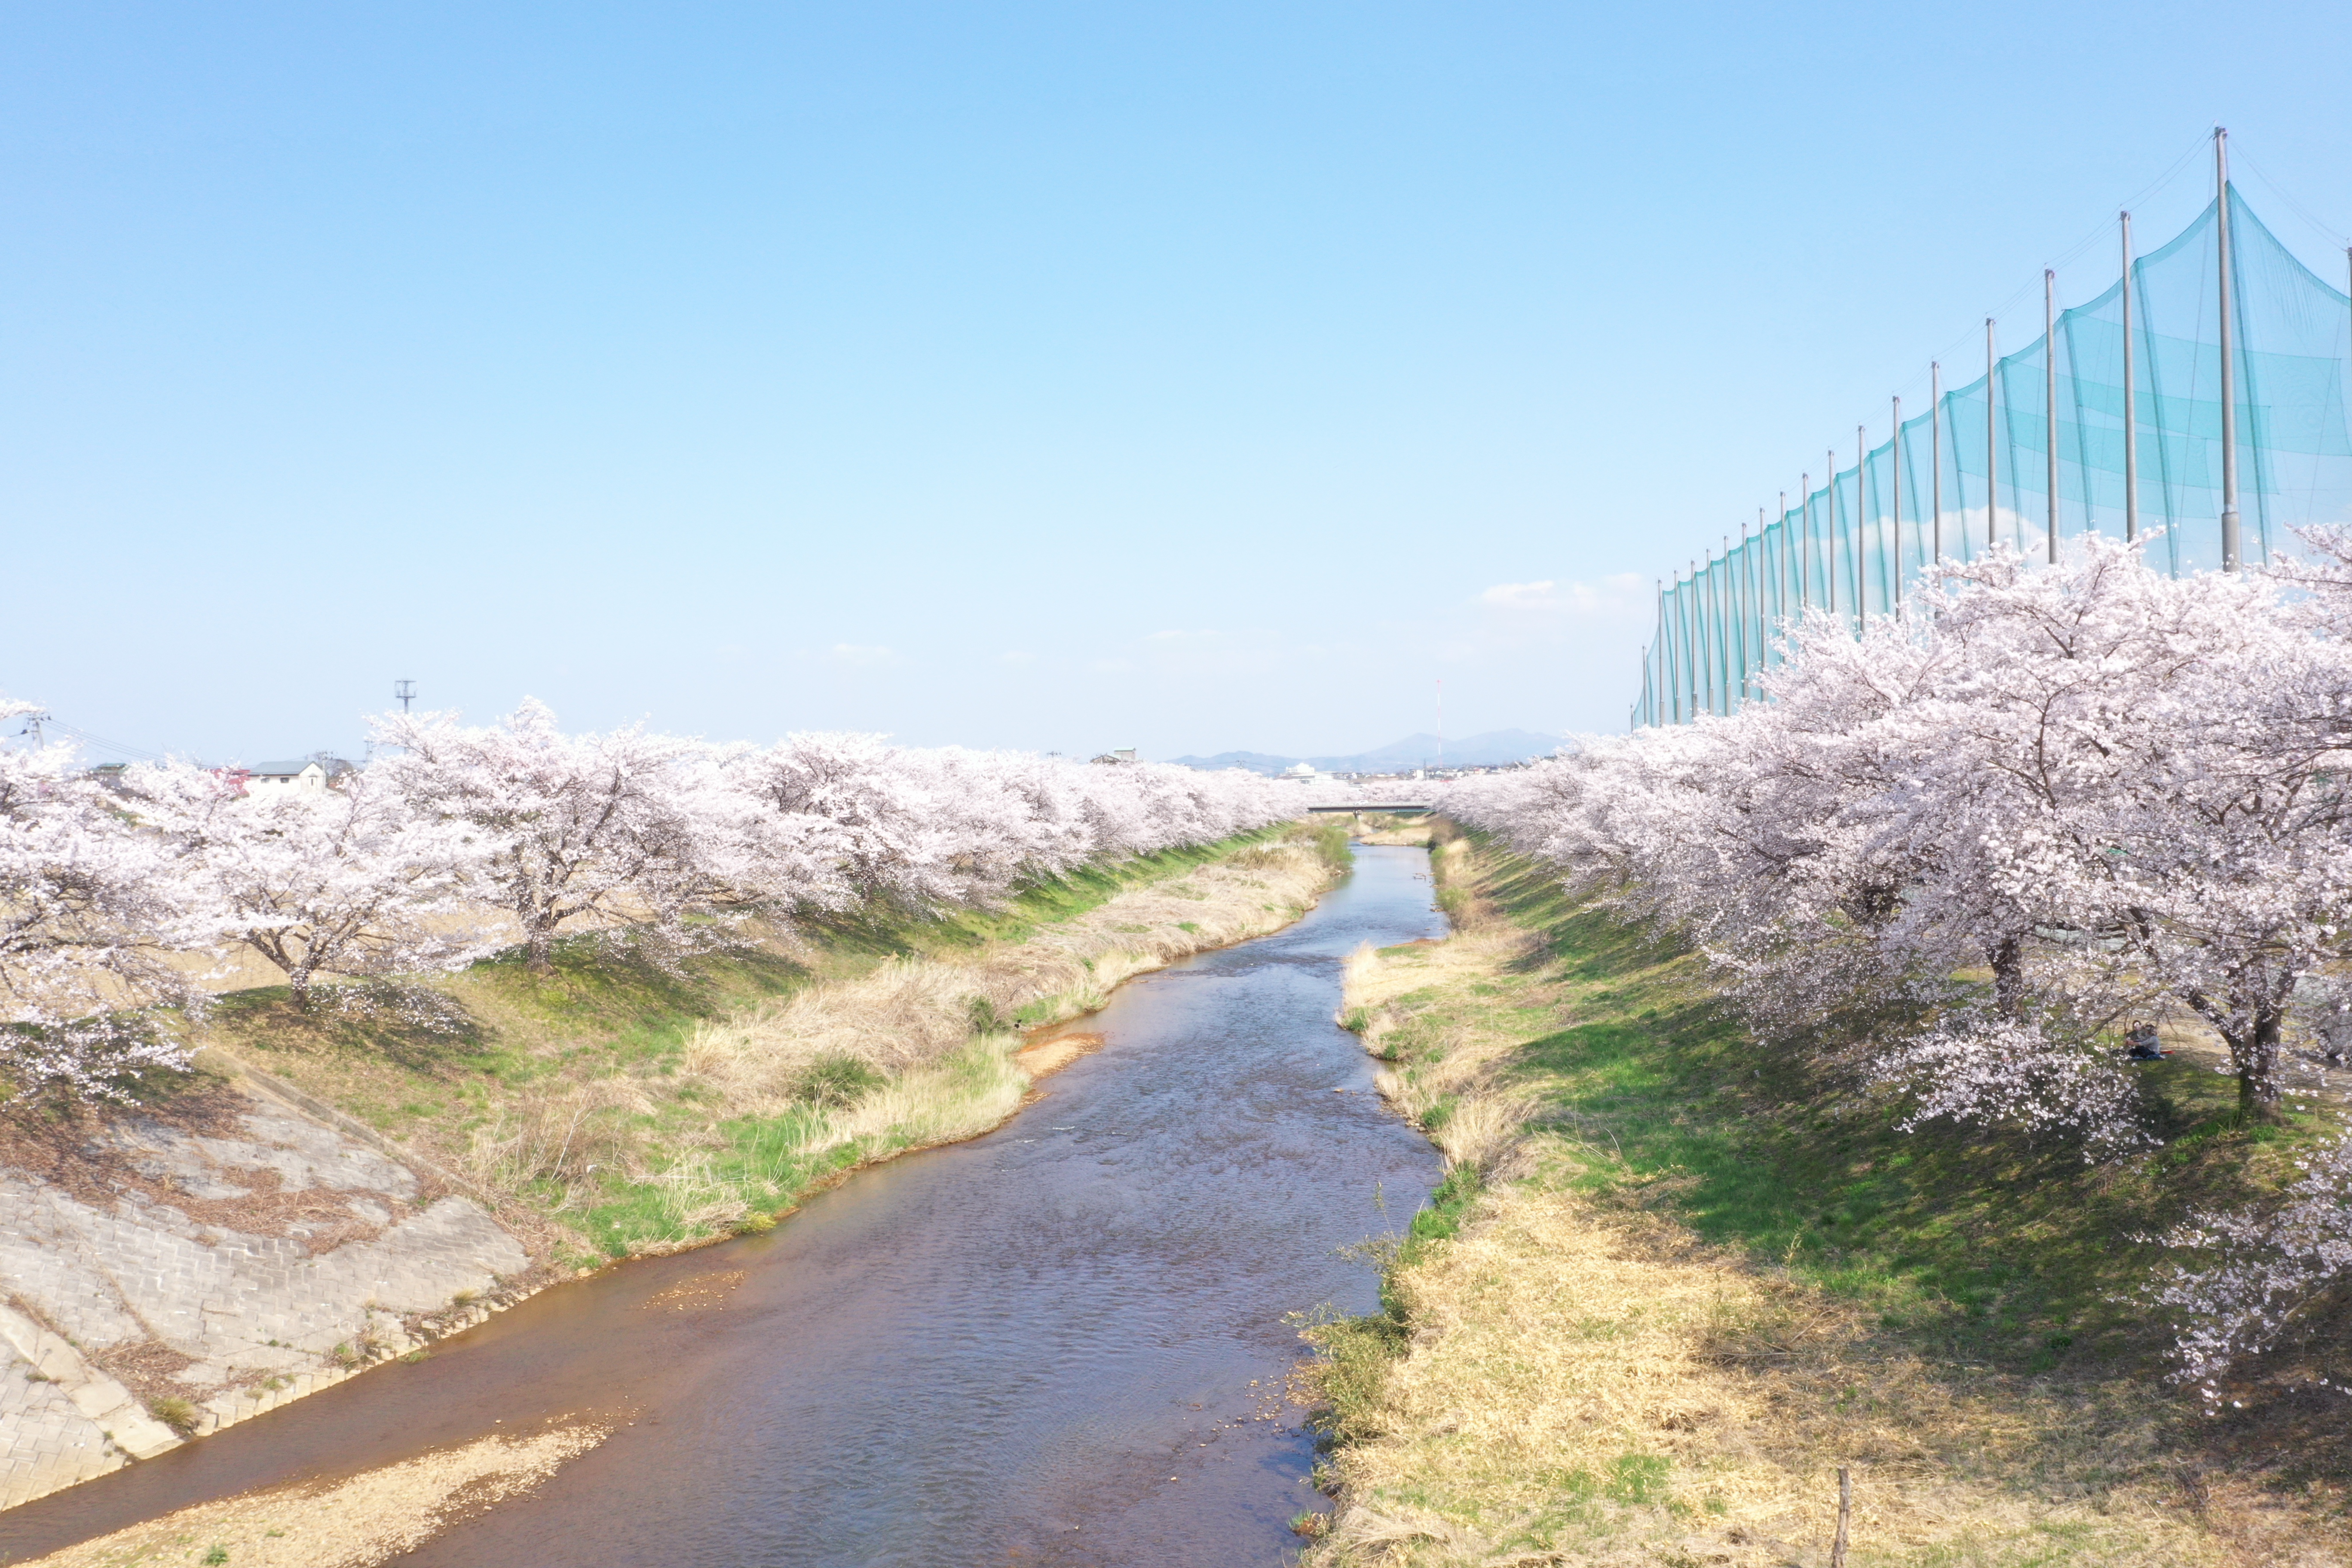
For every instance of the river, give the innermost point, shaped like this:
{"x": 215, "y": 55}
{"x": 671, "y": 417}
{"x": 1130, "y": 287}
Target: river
{"x": 1061, "y": 1344}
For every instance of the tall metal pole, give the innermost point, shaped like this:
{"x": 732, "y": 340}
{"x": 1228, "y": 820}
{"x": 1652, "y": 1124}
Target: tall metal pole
{"x": 1690, "y": 644}
{"x": 2050, "y": 395}
{"x": 1726, "y": 593}
{"x": 1830, "y": 531}
{"x": 2228, "y": 354}
{"x": 1718, "y": 663}
{"x": 1753, "y": 550}
{"x": 1736, "y": 622}
{"x": 1894, "y": 490}
{"x": 1767, "y": 590}
{"x": 1936, "y": 447}
{"x": 1686, "y": 610}
{"x": 1664, "y": 650}
{"x": 1805, "y": 570}
{"x": 1861, "y": 529}
{"x": 2131, "y": 406}
{"x": 1992, "y": 434}
{"x": 1702, "y": 674}
{"x": 1788, "y": 558}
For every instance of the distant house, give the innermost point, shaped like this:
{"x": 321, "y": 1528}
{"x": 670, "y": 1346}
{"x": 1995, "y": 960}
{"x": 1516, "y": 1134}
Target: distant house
{"x": 313, "y": 775}
{"x": 1122, "y": 755}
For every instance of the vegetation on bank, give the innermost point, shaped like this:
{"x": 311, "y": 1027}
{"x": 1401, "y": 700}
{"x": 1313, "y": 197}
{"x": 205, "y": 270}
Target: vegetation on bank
{"x": 1674, "y": 1283}
{"x": 613, "y": 1105}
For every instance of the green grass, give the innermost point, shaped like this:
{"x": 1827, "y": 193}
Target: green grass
{"x": 1999, "y": 1246}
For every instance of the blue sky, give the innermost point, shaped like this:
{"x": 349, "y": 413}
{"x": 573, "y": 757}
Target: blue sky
{"x": 1193, "y": 378}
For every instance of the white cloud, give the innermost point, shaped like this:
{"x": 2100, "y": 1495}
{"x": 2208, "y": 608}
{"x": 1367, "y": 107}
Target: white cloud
{"x": 1522, "y": 596}
{"x": 1015, "y": 655}
{"x": 1610, "y": 595}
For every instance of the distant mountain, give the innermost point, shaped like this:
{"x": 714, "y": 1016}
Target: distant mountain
{"x": 1255, "y": 762}
{"x": 1489, "y": 750}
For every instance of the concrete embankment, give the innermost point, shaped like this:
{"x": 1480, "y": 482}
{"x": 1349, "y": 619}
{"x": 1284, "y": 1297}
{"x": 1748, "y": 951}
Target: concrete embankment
{"x": 169, "y": 1278}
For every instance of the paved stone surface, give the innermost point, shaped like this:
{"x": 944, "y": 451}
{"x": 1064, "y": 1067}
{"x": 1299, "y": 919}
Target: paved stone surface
{"x": 272, "y": 1262}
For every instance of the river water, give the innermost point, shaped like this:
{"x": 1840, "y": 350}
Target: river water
{"x": 1060, "y": 1344}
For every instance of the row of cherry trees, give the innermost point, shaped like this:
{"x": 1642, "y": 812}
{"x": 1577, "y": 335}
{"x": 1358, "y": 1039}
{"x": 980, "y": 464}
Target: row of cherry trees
{"x": 1987, "y": 835}
{"x": 458, "y": 841}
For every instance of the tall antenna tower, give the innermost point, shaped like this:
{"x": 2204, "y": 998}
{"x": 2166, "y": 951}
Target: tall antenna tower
{"x": 406, "y": 691}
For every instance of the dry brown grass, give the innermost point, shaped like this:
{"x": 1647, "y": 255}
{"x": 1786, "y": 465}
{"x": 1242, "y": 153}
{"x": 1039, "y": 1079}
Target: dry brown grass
{"x": 365, "y": 1519}
{"x": 914, "y": 1011}
{"x": 1462, "y": 1068}
{"x": 1587, "y": 1386}
{"x": 1582, "y": 1381}
{"x": 936, "y": 1036}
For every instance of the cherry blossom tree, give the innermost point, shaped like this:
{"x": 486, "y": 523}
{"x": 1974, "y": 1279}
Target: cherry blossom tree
{"x": 2100, "y": 780}
{"x": 2243, "y": 1276}
{"x": 2167, "y": 751}
{"x": 618, "y": 827}
{"x": 844, "y": 818}
{"x": 345, "y": 882}
{"x": 2099, "y": 785}
{"x": 93, "y": 906}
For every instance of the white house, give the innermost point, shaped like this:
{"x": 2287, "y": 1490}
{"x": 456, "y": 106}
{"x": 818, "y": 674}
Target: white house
{"x": 306, "y": 774}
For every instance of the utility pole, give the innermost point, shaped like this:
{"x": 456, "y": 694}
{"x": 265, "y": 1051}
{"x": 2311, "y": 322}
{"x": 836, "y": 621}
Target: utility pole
{"x": 405, "y": 691}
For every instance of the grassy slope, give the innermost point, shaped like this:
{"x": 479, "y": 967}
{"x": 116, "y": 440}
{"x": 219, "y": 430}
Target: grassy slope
{"x": 1988, "y": 1267}
{"x": 584, "y": 1065}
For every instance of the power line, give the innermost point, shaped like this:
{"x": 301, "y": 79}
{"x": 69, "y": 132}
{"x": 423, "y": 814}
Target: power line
{"x": 100, "y": 743}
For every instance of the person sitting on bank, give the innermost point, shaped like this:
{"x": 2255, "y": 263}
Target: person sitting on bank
{"x": 2140, "y": 1043}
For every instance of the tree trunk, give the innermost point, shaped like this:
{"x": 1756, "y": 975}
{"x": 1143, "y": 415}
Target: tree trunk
{"x": 2255, "y": 1053}
{"x": 299, "y": 981}
{"x": 538, "y": 949}
{"x": 2009, "y": 976}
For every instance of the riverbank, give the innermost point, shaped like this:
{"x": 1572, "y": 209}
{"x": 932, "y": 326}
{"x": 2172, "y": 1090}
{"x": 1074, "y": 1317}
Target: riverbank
{"x": 349, "y": 1523}
{"x": 1670, "y": 1287}
{"x": 623, "y": 1111}
{"x": 1062, "y": 1341}
{"x": 331, "y": 1191}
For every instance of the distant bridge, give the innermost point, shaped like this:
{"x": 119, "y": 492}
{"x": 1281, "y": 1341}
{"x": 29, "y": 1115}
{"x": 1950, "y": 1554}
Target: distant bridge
{"x": 1393, "y": 808}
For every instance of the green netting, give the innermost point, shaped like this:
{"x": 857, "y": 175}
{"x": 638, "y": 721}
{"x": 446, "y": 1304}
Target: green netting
{"x": 1853, "y": 545}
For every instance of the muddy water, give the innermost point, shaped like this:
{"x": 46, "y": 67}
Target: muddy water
{"x": 1062, "y": 1343}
